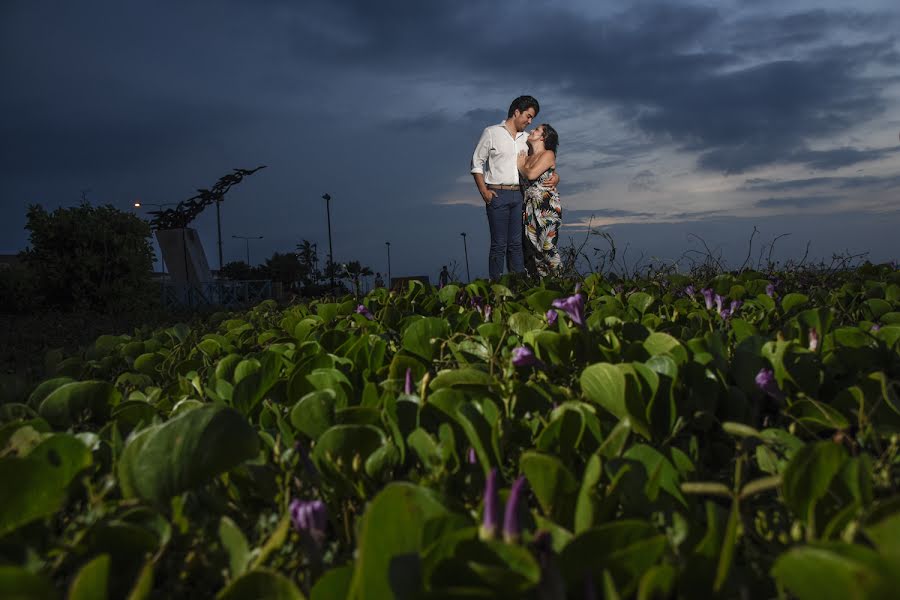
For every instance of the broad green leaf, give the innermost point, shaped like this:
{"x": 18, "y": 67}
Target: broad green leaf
{"x": 793, "y": 300}
{"x": 552, "y": 483}
{"x": 35, "y": 486}
{"x": 314, "y": 413}
{"x": 809, "y": 475}
{"x": 334, "y": 583}
{"x": 91, "y": 582}
{"x": 388, "y": 555}
{"x": 423, "y": 336}
{"x": 835, "y": 572}
{"x": 522, "y": 322}
{"x": 185, "y": 452}
{"x": 261, "y": 584}
{"x": 19, "y": 584}
{"x": 235, "y": 544}
{"x": 70, "y": 401}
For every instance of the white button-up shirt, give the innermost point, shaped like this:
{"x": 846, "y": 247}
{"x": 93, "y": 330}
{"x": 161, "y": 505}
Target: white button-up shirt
{"x": 496, "y": 155}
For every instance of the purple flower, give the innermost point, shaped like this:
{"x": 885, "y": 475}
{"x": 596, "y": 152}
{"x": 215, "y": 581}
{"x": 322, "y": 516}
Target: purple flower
{"x": 727, "y": 313}
{"x": 471, "y": 457}
{"x": 486, "y": 313}
{"x": 708, "y": 296}
{"x": 512, "y": 529}
{"x": 552, "y": 316}
{"x": 309, "y": 517}
{"x": 689, "y": 291}
{"x": 362, "y": 310}
{"x": 719, "y": 301}
{"x": 813, "y": 339}
{"x": 770, "y": 290}
{"x": 573, "y": 306}
{"x": 488, "y": 529}
{"x": 765, "y": 380}
{"x": 408, "y": 384}
{"x": 522, "y": 356}
{"x": 875, "y": 327}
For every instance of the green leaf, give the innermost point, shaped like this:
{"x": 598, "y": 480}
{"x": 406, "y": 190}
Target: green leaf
{"x": 68, "y": 402}
{"x": 314, "y": 413}
{"x": 423, "y": 336}
{"x": 18, "y": 584}
{"x": 661, "y": 474}
{"x": 522, "y": 322}
{"x": 607, "y": 385}
{"x": 835, "y": 572}
{"x": 235, "y": 544}
{"x": 809, "y": 474}
{"x": 334, "y": 583}
{"x": 552, "y": 482}
{"x": 658, "y": 343}
{"x": 462, "y": 378}
{"x": 640, "y": 301}
{"x": 791, "y": 301}
{"x": 388, "y": 556}
{"x": 35, "y": 485}
{"x": 187, "y": 451}
{"x": 588, "y": 496}
{"x": 261, "y": 584}
{"x": 91, "y": 581}
{"x": 627, "y": 548}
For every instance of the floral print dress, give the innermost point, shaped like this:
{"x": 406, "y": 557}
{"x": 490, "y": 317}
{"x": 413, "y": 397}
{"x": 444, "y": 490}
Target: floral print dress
{"x": 542, "y": 218}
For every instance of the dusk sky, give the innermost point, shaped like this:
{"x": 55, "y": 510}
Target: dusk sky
{"x": 674, "y": 118}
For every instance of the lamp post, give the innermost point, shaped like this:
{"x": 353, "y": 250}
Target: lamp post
{"x": 327, "y": 199}
{"x": 219, "y": 231}
{"x": 388, "y": 244}
{"x": 466, "y": 250}
{"x": 247, "y": 239}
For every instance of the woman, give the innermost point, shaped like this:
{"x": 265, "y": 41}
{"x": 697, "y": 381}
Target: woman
{"x": 543, "y": 212}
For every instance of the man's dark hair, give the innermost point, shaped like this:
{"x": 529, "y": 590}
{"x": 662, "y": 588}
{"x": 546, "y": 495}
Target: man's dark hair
{"x": 551, "y": 138}
{"x": 523, "y": 103}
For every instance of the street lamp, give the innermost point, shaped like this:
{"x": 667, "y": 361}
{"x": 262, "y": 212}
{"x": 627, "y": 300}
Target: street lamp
{"x": 158, "y": 205}
{"x": 327, "y": 199}
{"x": 247, "y": 239}
{"x": 388, "y": 244}
{"x": 466, "y": 250}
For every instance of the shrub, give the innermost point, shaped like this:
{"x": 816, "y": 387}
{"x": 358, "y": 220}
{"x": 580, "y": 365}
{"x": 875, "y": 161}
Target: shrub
{"x": 89, "y": 257}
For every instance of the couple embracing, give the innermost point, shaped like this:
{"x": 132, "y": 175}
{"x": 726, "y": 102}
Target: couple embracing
{"x": 515, "y": 174}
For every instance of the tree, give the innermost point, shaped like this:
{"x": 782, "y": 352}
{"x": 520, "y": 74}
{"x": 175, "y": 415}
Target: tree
{"x": 89, "y": 256}
{"x": 308, "y": 255}
{"x": 286, "y": 268}
{"x": 354, "y": 271}
{"x": 237, "y": 270}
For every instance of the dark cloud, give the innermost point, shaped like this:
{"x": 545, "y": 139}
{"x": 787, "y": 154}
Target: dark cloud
{"x": 797, "y": 202}
{"x": 852, "y": 183}
{"x": 837, "y": 158}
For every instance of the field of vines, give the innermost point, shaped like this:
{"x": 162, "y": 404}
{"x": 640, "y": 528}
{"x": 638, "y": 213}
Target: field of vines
{"x": 734, "y": 437}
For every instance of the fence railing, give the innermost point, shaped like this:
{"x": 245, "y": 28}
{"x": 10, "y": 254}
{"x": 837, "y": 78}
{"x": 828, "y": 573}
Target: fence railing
{"x": 215, "y": 293}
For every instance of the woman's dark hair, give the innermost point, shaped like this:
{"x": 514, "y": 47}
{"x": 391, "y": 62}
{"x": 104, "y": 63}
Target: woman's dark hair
{"x": 551, "y": 138}
{"x": 523, "y": 103}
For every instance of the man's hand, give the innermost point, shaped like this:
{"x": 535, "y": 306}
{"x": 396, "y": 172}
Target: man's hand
{"x": 488, "y": 195}
{"x": 521, "y": 158}
{"x": 552, "y": 181}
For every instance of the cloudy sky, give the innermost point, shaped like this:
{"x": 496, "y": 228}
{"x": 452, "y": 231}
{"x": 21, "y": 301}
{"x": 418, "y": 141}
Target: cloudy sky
{"x": 676, "y": 119}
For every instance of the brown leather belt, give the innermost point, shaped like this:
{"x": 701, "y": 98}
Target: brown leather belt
{"x": 492, "y": 186}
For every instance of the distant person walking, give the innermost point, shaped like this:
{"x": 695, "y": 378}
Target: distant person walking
{"x": 444, "y": 277}
{"x": 543, "y": 211}
{"x": 379, "y": 282}
{"x": 497, "y": 178}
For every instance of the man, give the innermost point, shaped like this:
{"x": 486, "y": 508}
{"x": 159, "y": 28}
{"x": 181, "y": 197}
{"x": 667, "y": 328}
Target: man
{"x": 497, "y": 178}
{"x": 444, "y": 277}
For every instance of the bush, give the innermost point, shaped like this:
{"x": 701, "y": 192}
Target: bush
{"x": 16, "y": 290}
{"x": 87, "y": 256}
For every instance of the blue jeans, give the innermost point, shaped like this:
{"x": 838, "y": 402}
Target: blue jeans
{"x": 504, "y": 215}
